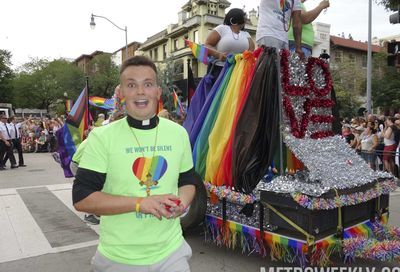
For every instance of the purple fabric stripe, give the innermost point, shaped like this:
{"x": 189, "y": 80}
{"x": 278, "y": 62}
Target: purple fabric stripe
{"x": 65, "y": 159}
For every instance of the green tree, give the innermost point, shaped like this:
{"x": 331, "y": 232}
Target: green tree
{"x": 348, "y": 80}
{"x": 42, "y": 84}
{"x": 348, "y": 75}
{"x": 389, "y": 4}
{"x": 103, "y": 75}
{"x": 166, "y": 78}
{"x": 6, "y": 76}
{"x": 347, "y": 103}
{"x": 385, "y": 84}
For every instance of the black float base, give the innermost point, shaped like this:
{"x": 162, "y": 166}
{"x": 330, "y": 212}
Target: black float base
{"x": 318, "y": 223}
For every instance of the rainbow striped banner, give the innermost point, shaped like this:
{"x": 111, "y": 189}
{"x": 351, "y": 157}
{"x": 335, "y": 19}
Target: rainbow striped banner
{"x": 199, "y": 51}
{"x": 100, "y": 102}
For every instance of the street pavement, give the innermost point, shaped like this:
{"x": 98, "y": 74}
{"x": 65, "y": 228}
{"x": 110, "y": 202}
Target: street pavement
{"x": 41, "y": 231}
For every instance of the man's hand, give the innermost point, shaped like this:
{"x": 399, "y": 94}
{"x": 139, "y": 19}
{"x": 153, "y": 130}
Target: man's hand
{"x": 155, "y": 205}
{"x": 222, "y": 56}
{"x": 7, "y": 143}
{"x": 324, "y": 4}
{"x": 300, "y": 53}
{"x": 179, "y": 210}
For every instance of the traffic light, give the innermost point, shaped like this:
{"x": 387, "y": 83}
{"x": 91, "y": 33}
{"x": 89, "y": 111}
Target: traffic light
{"x": 393, "y": 50}
{"x": 394, "y": 18}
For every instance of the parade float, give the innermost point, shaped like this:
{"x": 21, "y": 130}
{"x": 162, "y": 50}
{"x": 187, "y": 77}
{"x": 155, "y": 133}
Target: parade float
{"x": 270, "y": 108}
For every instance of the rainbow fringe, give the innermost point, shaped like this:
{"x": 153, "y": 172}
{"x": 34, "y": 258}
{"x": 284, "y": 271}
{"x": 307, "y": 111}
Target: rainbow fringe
{"x": 372, "y": 240}
{"x": 233, "y": 235}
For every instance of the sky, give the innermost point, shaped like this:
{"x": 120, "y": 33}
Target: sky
{"x": 53, "y": 29}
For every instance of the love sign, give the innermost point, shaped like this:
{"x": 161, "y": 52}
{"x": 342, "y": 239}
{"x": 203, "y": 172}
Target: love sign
{"x": 314, "y": 98}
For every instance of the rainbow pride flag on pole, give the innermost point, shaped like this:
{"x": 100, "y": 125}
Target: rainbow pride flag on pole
{"x": 199, "y": 51}
{"x": 160, "y": 105}
{"x": 68, "y": 105}
{"x": 100, "y": 102}
{"x": 71, "y": 135}
{"x": 177, "y": 103}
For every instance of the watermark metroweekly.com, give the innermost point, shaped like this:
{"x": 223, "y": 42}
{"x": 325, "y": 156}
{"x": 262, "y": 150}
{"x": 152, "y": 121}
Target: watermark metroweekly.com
{"x": 329, "y": 269}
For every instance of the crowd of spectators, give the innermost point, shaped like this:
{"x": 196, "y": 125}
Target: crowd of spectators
{"x": 376, "y": 139}
{"x": 39, "y": 134}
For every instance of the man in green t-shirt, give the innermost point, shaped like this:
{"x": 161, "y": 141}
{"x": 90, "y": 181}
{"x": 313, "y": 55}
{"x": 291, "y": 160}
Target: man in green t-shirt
{"x": 137, "y": 173}
{"x": 307, "y": 33}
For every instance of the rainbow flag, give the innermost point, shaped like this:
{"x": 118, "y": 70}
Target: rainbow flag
{"x": 100, "y": 102}
{"x": 363, "y": 229}
{"x": 71, "y": 135}
{"x": 177, "y": 104}
{"x": 199, "y": 51}
{"x": 160, "y": 105}
{"x": 68, "y": 105}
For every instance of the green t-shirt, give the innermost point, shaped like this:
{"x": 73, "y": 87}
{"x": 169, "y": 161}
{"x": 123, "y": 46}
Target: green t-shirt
{"x": 131, "y": 238}
{"x": 79, "y": 152}
{"x": 307, "y": 33}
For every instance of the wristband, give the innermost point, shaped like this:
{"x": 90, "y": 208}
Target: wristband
{"x": 137, "y": 207}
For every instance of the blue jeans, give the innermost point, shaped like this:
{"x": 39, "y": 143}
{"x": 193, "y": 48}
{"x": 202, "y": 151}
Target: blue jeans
{"x": 307, "y": 51}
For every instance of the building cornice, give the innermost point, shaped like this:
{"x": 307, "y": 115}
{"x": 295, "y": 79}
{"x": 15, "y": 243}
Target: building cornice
{"x": 154, "y": 40}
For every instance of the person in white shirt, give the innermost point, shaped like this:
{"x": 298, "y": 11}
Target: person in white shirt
{"x": 275, "y": 18}
{"x": 16, "y": 140}
{"x": 228, "y": 38}
{"x": 6, "y": 146}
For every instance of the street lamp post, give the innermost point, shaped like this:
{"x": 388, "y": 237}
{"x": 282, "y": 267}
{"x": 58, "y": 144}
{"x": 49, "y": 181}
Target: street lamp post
{"x": 93, "y": 24}
{"x": 369, "y": 58}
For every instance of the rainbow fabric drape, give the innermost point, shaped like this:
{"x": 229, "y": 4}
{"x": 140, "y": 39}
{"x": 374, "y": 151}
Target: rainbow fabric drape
{"x": 214, "y": 128}
{"x": 220, "y": 135}
{"x": 71, "y": 134}
{"x": 200, "y": 149}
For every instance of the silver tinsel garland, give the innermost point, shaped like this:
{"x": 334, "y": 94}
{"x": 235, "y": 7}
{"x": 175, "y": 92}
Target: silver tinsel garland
{"x": 330, "y": 163}
{"x": 233, "y": 213}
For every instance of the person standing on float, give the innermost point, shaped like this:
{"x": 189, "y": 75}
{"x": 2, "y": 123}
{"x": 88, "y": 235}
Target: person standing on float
{"x": 275, "y": 18}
